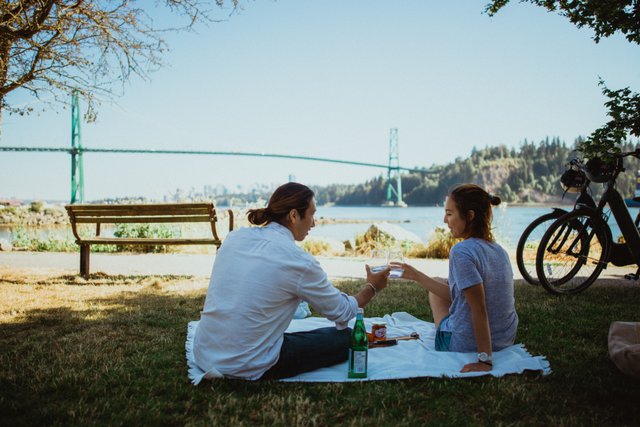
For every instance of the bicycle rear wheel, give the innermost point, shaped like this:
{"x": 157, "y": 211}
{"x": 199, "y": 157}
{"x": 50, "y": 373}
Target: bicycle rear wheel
{"x": 529, "y": 241}
{"x": 572, "y": 253}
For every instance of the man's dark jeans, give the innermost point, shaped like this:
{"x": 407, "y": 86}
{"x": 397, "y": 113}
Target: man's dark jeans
{"x": 310, "y": 350}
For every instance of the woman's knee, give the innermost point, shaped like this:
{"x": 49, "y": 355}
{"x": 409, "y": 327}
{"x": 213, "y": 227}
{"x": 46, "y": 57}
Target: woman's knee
{"x": 439, "y": 307}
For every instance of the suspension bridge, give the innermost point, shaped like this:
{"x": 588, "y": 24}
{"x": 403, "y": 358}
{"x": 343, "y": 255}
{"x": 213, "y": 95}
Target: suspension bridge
{"x": 76, "y": 151}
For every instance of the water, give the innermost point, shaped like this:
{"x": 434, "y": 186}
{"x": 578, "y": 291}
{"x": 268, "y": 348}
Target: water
{"x": 396, "y": 272}
{"x": 508, "y": 222}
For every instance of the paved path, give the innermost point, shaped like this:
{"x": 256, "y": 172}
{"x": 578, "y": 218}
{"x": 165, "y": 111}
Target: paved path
{"x": 181, "y": 264}
{"x": 200, "y": 265}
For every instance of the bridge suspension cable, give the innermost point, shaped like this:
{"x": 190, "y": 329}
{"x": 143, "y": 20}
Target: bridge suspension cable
{"x": 81, "y": 150}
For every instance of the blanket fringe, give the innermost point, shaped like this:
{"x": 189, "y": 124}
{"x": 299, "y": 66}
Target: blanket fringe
{"x": 544, "y": 363}
{"x": 195, "y": 374}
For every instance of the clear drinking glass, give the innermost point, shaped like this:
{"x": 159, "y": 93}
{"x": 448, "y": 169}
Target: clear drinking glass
{"x": 378, "y": 260}
{"x": 395, "y": 255}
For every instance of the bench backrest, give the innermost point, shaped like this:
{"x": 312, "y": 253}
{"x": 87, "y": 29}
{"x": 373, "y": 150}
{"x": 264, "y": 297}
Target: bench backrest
{"x": 165, "y": 212}
{"x": 142, "y": 213}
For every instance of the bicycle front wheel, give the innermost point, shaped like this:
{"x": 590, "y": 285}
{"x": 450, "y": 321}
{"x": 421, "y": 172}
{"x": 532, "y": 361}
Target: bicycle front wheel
{"x": 527, "y": 248}
{"x": 572, "y": 253}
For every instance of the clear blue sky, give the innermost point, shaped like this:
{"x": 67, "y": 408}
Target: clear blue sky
{"x": 329, "y": 79}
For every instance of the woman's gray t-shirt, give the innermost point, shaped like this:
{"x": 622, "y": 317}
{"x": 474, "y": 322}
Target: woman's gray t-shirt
{"x": 471, "y": 262}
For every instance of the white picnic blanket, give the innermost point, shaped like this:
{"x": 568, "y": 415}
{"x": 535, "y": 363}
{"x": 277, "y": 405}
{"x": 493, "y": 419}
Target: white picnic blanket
{"x": 408, "y": 359}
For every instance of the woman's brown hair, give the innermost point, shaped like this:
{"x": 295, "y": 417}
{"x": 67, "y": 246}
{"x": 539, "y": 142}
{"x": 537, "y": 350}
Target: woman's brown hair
{"x": 286, "y": 197}
{"x": 470, "y": 197}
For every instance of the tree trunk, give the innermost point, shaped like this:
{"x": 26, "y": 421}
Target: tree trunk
{"x": 5, "y": 51}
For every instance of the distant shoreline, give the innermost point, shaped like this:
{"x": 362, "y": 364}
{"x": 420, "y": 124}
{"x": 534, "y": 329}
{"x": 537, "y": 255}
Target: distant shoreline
{"x": 55, "y": 214}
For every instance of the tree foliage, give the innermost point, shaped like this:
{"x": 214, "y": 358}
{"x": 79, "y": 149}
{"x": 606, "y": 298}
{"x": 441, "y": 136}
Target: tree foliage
{"x": 624, "y": 111}
{"x": 606, "y": 18}
{"x": 51, "y": 48}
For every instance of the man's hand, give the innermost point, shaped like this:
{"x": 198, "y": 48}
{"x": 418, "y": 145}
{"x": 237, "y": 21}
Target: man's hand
{"x": 379, "y": 280}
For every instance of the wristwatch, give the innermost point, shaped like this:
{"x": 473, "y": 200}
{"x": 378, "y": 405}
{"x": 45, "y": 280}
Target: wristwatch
{"x": 485, "y": 358}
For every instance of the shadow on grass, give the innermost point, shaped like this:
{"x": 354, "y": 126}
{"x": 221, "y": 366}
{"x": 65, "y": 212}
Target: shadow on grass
{"x": 115, "y": 355}
{"x": 104, "y": 356}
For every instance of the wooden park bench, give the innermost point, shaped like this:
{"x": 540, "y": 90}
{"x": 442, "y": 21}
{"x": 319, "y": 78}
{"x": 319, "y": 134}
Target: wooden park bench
{"x": 141, "y": 214}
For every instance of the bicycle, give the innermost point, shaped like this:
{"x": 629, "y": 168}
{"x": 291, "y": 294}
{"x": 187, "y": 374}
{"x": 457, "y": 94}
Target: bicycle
{"x": 579, "y": 245}
{"x": 573, "y": 180}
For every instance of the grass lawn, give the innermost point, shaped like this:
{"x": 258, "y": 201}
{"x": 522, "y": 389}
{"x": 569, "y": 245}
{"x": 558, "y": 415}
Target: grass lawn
{"x": 110, "y": 351}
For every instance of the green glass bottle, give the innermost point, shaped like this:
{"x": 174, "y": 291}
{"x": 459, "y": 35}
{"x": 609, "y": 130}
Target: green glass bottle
{"x": 358, "y": 352}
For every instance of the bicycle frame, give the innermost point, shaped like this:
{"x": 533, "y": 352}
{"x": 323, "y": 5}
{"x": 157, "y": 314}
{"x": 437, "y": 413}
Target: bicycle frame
{"x": 584, "y": 200}
{"x": 620, "y": 253}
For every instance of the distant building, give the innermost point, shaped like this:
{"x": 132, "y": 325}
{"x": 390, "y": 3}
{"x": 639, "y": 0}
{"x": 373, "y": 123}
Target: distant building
{"x": 10, "y": 202}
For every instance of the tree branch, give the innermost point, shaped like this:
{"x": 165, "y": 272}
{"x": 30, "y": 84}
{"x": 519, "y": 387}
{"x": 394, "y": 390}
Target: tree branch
{"x": 57, "y": 46}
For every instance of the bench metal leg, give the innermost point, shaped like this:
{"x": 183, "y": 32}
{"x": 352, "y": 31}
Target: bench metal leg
{"x": 84, "y": 259}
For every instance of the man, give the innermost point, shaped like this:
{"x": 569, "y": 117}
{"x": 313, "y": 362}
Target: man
{"x": 259, "y": 277}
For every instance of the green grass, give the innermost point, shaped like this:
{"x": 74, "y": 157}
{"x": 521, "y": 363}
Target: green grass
{"x": 110, "y": 351}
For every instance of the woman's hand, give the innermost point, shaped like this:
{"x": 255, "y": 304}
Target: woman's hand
{"x": 408, "y": 272}
{"x": 476, "y": 367}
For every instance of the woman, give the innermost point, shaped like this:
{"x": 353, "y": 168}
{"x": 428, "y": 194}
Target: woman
{"x": 474, "y": 310}
{"x": 259, "y": 278}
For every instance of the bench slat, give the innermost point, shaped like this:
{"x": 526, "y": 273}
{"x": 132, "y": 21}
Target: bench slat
{"x": 128, "y": 210}
{"x": 149, "y": 206}
{"x": 140, "y": 219}
{"x": 150, "y": 241}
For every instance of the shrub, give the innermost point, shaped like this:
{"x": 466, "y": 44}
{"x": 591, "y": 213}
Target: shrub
{"x": 372, "y": 239}
{"x": 416, "y": 250}
{"x": 440, "y": 244}
{"x": 316, "y": 247}
{"x": 144, "y": 231}
{"x": 31, "y": 242}
{"x": 9, "y": 210}
{"x": 36, "y": 206}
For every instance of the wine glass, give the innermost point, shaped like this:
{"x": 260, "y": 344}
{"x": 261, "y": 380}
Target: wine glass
{"x": 395, "y": 255}
{"x": 378, "y": 260}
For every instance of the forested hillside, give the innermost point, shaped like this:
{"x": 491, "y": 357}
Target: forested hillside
{"x": 528, "y": 174}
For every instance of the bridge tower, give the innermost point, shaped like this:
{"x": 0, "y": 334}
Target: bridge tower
{"x": 393, "y": 171}
{"x": 77, "y": 171}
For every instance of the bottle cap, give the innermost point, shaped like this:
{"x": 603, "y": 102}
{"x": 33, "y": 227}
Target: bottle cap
{"x": 360, "y": 310}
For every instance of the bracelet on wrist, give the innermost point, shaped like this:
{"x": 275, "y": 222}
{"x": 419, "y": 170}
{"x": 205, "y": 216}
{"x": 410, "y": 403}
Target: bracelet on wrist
{"x": 373, "y": 288}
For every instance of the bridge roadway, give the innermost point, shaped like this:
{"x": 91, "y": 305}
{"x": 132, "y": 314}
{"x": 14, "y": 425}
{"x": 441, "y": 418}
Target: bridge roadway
{"x": 75, "y": 151}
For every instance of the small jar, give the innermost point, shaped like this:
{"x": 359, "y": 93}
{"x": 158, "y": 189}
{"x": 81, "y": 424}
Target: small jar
{"x": 379, "y": 331}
